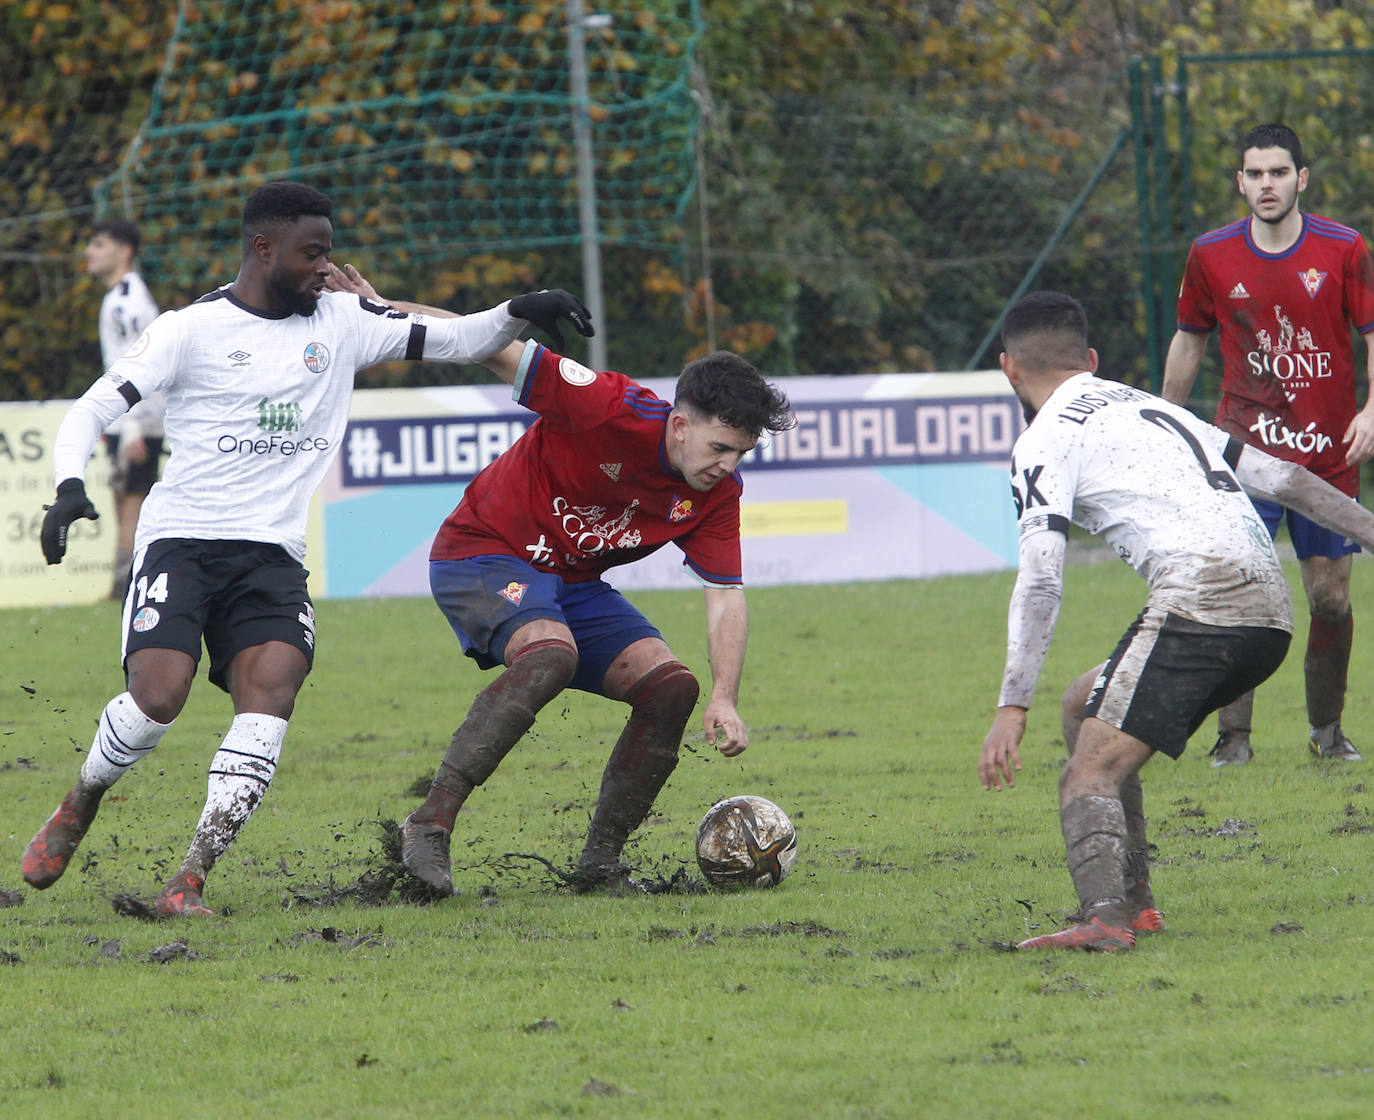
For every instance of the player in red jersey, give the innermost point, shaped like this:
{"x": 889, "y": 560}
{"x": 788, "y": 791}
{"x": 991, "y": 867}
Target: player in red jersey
{"x": 1286, "y": 288}
{"x": 607, "y": 474}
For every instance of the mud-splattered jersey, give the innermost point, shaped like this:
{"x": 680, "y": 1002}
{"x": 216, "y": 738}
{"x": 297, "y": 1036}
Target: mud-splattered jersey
{"x": 1288, "y": 381}
{"x": 588, "y": 486}
{"x": 1155, "y": 483}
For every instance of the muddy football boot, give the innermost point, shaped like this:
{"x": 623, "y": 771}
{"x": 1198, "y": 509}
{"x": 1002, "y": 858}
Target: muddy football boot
{"x": 607, "y": 878}
{"x": 1332, "y": 744}
{"x": 1094, "y": 935}
{"x": 1148, "y": 920}
{"x": 180, "y": 898}
{"x": 1231, "y": 749}
{"x": 51, "y": 850}
{"x": 424, "y": 852}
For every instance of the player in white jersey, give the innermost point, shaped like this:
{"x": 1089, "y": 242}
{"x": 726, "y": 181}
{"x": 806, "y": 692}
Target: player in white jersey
{"x": 1164, "y": 489}
{"x": 133, "y": 440}
{"x": 257, "y": 377}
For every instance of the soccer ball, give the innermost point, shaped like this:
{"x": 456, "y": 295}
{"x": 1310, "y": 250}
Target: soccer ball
{"x": 745, "y": 841}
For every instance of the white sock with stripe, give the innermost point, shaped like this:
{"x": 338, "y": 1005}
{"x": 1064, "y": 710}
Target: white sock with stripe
{"x": 240, "y": 773}
{"x": 124, "y": 736}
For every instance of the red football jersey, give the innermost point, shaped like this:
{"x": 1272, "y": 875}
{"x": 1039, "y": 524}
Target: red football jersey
{"x": 1288, "y": 381}
{"x": 588, "y": 486}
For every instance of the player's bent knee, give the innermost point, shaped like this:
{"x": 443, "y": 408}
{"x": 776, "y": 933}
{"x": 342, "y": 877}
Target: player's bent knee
{"x": 552, "y": 658}
{"x": 666, "y": 694}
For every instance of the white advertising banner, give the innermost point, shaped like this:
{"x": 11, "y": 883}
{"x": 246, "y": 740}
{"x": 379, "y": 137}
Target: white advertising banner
{"x": 885, "y": 476}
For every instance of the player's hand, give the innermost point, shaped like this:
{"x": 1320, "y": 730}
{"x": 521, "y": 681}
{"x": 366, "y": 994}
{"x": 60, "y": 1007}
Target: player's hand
{"x": 1360, "y": 438}
{"x": 724, "y": 729}
{"x": 71, "y": 503}
{"x": 1000, "y": 756}
{"x": 349, "y": 279}
{"x": 544, "y": 309}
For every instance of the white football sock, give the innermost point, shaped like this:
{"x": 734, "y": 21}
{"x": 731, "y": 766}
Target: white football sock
{"x": 124, "y": 736}
{"x": 240, "y": 773}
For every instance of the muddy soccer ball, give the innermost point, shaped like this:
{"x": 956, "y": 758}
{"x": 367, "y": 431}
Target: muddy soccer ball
{"x": 745, "y": 842}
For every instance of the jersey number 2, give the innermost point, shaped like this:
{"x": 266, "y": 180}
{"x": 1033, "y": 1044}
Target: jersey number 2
{"x": 1217, "y": 479}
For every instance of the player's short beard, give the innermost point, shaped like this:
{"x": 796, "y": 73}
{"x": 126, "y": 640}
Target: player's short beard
{"x": 1279, "y": 217}
{"x": 293, "y": 299}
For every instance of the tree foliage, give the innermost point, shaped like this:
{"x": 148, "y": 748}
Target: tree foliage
{"x": 875, "y": 178}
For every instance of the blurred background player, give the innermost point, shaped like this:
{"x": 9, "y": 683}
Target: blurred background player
{"x": 1164, "y": 490}
{"x": 1286, "y": 288}
{"x": 134, "y": 440}
{"x": 259, "y": 375}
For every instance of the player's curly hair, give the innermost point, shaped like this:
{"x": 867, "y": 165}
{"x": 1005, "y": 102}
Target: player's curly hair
{"x": 1274, "y": 135}
{"x": 283, "y": 202}
{"x": 725, "y": 386}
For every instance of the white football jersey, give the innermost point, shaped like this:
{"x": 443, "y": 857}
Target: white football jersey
{"x": 257, "y": 405}
{"x": 1153, "y": 481}
{"x": 125, "y": 313}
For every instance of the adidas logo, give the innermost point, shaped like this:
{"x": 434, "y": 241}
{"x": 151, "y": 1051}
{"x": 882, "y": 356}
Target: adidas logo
{"x": 1239, "y": 292}
{"x": 612, "y": 471}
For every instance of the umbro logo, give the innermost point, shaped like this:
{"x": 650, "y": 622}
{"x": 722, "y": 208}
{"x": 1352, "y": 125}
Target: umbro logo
{"x": 240, "y": 357}
{"x": 1239, "y": 292}
{"x": 612, "y": 471}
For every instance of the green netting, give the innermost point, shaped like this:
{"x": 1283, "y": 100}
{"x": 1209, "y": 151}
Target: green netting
{"x": 438, "y": 128}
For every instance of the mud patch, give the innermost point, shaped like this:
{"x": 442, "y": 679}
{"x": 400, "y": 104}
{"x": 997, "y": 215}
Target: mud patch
{"x": 596, "y": 1088}
{"x": 331, "y": 935}
{"x": 11, "y": 898}
{"x": 173, "y": 951}
{"x": 1356, "y": 821}
{"x": 131, "y": 906}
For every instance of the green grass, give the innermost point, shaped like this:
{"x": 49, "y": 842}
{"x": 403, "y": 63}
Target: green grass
{"x": 872, "y": 983}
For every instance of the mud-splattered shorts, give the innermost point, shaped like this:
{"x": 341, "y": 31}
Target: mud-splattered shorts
{"x": 1168, "y": 674}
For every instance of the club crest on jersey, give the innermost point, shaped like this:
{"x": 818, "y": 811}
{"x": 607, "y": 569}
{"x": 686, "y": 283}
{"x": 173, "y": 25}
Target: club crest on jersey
{"x": 1312, "y": 281}
{"x": 575, "y": 373}
{"x": 611, "y": 471}
{"x": 514, "y": 591}
{"x": 140, "y": 345}
{"x": 682, "y": 509}
{"x": 317, "y": 357}
{"x": 146, "y": 619}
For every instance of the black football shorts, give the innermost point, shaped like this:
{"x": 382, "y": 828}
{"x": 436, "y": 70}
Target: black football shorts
{"x": 1168, "y": 674}
{"x": 233, "y": 594}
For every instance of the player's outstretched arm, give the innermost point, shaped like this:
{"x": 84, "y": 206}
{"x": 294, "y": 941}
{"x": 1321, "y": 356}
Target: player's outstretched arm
{"x": 1289, "y": 484}
{"x": 541, "y": 309}
{"x": 1181, "y": 365}
{"x": 727, "y": 635}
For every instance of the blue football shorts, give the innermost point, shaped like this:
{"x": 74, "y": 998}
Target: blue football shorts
{"x": 1309, "y": 538}
{"x": 487, "y": 598}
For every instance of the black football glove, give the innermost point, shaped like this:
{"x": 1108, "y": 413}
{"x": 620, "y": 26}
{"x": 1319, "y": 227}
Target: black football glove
{"x": 70, "y": 504}
{"x": 544, "y": 309}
